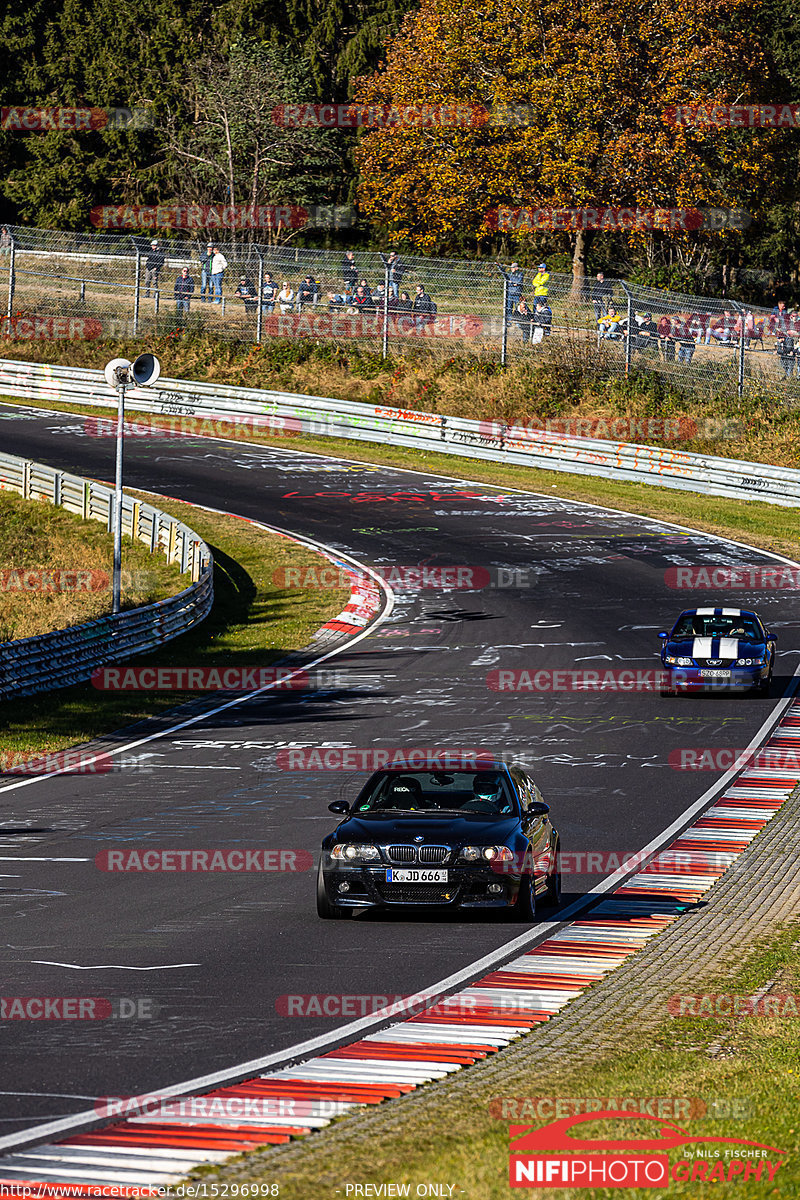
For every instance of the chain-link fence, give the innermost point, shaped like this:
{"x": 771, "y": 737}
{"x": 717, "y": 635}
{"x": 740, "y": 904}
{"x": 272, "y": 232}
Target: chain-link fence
{"x": 73, "y": 285}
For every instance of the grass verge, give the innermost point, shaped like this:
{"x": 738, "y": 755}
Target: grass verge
{"x": 746, "y": 1070}
{"x": 252, "y": 623}
{"x": 57, "y": 569}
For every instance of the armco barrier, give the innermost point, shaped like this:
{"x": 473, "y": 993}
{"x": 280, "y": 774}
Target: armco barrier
{"x": 67, "y": 656}
{"x": 517, "y": 445}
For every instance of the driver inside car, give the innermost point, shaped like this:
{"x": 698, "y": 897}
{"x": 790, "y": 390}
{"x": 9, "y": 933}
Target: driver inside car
{"x": 487, "y": 794}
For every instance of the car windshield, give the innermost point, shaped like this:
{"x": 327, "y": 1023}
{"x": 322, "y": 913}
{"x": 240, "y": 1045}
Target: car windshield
{"x": 690, "y": 626}
{"x": 486, "y": 792}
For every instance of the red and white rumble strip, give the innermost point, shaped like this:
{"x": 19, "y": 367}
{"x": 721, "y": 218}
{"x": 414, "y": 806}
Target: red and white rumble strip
{"x": 161, "y": 1148}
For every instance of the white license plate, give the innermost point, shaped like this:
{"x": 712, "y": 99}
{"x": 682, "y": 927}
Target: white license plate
{"x": 416, "y": 875}
{"x": 715, "y": 674}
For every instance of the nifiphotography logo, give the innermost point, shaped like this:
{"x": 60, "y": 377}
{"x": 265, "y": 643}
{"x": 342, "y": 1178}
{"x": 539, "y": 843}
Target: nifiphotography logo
{"x": 633, "y": 1162}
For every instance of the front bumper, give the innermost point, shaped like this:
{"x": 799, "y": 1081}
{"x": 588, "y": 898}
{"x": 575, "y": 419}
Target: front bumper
{"x": 728, "y": 679}
{"x": 466, "y": 887}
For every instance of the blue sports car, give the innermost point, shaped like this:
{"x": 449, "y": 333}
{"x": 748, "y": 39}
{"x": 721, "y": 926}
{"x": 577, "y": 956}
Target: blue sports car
{"x": 717, "y": 648}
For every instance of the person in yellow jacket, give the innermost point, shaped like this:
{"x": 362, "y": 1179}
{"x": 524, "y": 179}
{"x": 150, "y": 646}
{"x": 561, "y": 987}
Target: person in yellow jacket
{"x": 541, "y": 280}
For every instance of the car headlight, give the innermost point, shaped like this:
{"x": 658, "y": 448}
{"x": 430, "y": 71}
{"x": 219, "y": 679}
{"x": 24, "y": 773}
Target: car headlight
{"x": 750, "y": 662}
{"x": 678, "y": 662}
{"x": 355, "y": 852}
{"x": 487, "y": 853}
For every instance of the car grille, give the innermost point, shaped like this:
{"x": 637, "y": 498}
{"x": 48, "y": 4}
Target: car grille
{"x": 417, "y": 893}
{"x": 402, "y": 854}
{"x": 433, "y": 854}
{"x": 424, "y": 854}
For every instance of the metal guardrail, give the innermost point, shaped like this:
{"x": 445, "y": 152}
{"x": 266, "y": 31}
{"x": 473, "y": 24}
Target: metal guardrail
{"x": 518, "y": 445}
{"x": 67, "y": 656}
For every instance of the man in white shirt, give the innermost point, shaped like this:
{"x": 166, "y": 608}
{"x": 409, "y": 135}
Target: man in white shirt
{"x": 219, "y": 264}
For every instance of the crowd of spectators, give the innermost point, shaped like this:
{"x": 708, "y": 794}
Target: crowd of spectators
{"x": 673, "y": 335}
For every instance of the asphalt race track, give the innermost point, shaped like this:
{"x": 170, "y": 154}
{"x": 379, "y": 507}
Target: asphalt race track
{"x": 582, "y": 588}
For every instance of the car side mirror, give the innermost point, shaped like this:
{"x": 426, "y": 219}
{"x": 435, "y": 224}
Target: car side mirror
{"x": 773, "y": 637}
{"x": 339, "y": 806}
{"x": 537, "y": 809}
{"x": 663, "y": 634}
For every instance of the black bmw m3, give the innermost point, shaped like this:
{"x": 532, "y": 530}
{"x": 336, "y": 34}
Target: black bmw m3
{"x": 477, "y": 839}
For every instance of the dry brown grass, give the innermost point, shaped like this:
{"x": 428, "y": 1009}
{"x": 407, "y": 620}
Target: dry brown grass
{"x": 55, "y": 570}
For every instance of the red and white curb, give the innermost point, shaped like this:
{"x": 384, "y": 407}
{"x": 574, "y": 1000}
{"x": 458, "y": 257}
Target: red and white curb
{"x": 480, "y": 1019}
{"x": 365, "y": 601}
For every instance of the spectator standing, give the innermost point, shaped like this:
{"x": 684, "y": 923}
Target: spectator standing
{"x": 153, "y": 265}
{"x": 184, "y": 286}
{"x": 602, "y": 295}
{"x": 395, "y": 271}
{"x": 541, "y": 281}
{"x": 779, "y": 320}
{"x": 684, "y": 340}
{"x": 515, "y": 282}
{"x": 308, "y": 293}
{"x": 219, "y": 265}
{"x": 350, "y": 272}
{"x": 5, "y": 240}
{"x": 247, "y": 291}
{"x": 786, "y": 351}
{"x": 666, "y": 338}
{"x": 423, "y": 308}
{"x": 286, "y": 298}
{"x": 269, "y": 293}
{"x": 205, "y": 273}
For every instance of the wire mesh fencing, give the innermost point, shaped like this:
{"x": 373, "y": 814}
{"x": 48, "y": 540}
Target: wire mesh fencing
{"x": 109, "y": 286}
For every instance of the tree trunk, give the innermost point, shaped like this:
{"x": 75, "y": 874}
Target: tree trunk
{"x": 583, "y": 240}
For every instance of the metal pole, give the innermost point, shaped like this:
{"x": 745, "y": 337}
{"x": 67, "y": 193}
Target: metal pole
{"x": 385, "y": 350}
{"x": 504, "y": 345}
{"x": 629, "y": 329}
{"x": 117, "y": 575}
{"x": 11, "y": 278}
{"x": 260, "y": 294}
{"x": 137, "y": 292}
{"x": 742, "y": 320}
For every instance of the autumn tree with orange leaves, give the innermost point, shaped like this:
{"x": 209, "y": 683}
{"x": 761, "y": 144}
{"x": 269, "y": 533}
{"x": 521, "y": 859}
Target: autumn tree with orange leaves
{"x": 599, "y": 79}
